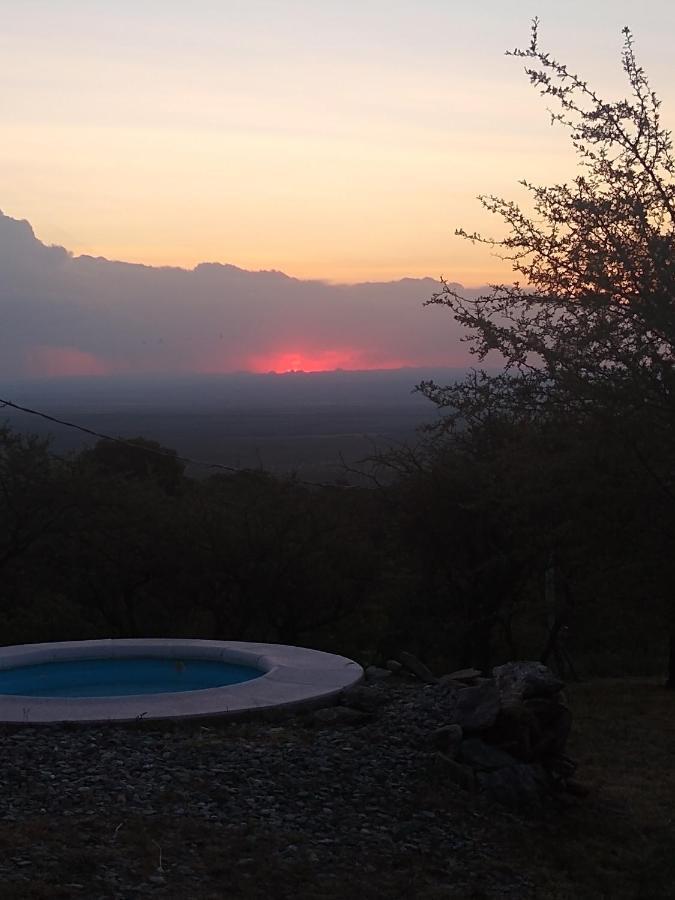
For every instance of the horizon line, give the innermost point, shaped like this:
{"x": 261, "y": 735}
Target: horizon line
{"x": 138, "y": 376}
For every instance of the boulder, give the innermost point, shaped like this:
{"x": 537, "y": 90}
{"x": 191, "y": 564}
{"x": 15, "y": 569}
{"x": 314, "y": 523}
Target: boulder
{"x": 517, "y": 787}
{"x": 554, "y": 730}
{"x": 546, "y": 709}
{"x": 506, "y": 736}
{"x": 476, "y": 708}
{"x": 481, "y": 756}
{"x": 516, "y": 731}
{"x": 517, "y": 681}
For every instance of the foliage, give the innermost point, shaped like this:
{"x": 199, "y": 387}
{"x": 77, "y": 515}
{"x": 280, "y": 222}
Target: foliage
{"x": 566, "y": 455}
{"x": 276, "y": 560}
{"x": 130, "y": 552}
{"x": 137, "y": 458}
{"x": 27, "y": 512}
{"x": 592, "y": 331}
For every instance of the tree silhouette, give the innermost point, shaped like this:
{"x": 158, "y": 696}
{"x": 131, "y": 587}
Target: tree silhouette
{"x": 137, "y": 458}
{"x": 586, "y": 335}
{"x": 594, "y": 322}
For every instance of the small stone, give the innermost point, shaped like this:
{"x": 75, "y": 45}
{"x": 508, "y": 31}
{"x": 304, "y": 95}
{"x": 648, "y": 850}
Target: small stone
{"x": 363, "y": 698}
{"x": 417, "y": 667}
{"x": 374, "y": 673}
{"x": 465, "y": 675}
{"x": 393, "y": 665}
{"x": 448, "y": 739}
{"x": 457, "y": 773}
{"x": 404, "y": 830}
{"x": 340, "y": 715}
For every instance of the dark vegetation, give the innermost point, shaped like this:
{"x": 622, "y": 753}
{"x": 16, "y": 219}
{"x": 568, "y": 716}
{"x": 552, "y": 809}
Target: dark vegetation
{"x": 449, "y": 560}
{"x": 537, "y": 514}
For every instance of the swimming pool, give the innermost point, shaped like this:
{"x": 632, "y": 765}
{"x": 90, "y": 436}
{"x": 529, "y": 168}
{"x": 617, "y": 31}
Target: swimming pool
{"x": 159, "y": 678}
{"x": 121, "y": 677}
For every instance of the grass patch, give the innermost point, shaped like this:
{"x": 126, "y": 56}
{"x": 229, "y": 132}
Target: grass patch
{"x": 619, "y": 842}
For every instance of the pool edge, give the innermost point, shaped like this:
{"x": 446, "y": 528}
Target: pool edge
{"x": 294, "y": 678}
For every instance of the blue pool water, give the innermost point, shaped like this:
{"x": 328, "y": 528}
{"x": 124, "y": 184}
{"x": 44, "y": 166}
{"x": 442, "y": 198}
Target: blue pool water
{"x": 121, "y": 677}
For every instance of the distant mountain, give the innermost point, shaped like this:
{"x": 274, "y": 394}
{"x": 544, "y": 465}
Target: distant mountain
{"x": 64, "y": 315}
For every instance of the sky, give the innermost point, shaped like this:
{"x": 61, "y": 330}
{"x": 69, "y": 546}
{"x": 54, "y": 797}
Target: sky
{"x": 83, "y": 316}
{"x": 342, "y": 141}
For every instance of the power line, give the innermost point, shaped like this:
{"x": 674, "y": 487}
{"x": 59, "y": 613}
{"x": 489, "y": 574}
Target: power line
{"x": 152, "y": 450}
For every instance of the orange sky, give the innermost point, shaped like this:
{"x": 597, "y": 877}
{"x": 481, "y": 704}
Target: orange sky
{"x": 343, "y": 141}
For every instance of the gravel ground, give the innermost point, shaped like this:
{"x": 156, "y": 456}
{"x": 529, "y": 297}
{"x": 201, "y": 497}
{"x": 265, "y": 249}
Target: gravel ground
{"x": 293, "y": 808}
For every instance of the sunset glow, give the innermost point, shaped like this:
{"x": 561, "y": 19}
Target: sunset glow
{"x": 343, "y": 142}
{"x": 320, "y": 361}
{"x": 285, "y": 178}
{"x": 62, "y": 362}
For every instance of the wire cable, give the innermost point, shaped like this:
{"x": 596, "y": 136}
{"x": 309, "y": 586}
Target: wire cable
{"x": 152, "y": 450}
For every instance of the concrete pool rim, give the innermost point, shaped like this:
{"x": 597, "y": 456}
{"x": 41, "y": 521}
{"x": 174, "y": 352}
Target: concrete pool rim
{"x": 291, "y": 678}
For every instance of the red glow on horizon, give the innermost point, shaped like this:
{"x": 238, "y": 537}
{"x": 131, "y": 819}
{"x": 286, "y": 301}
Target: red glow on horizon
{"x": 44, "y": 361}
{"x": 55, "y": 362}
{"x": 285, "y": 361}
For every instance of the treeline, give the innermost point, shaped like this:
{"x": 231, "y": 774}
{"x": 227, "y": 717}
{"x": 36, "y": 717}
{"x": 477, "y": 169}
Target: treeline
{"x": 473, "y": 552}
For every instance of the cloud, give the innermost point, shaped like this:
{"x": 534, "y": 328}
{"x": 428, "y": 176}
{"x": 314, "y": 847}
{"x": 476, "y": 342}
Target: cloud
{"x": 63, "y": 315}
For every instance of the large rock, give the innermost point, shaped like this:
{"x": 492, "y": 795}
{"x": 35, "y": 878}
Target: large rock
{"x": 476, "y": 708}
{"x": 479, "y": 755}
{"x": 414, "y": 665}
{"x": 516, "y": 731}
{"x": 517, "y": 787}
{"x": 537, "y": 728}
{"x": 554, "y": 722}
{"x": 517, "y": 681}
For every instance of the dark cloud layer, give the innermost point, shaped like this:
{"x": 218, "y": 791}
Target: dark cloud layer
{"x": 79, "y": 315}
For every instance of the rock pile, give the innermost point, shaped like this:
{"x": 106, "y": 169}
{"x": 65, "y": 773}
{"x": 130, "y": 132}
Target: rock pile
{"x": 505, "y": 735}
